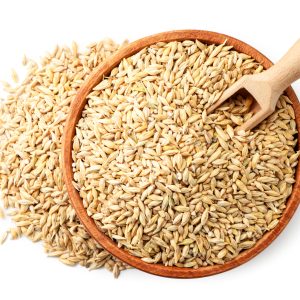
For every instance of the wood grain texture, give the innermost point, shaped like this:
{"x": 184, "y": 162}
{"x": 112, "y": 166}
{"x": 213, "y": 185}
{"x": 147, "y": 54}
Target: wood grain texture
{"x": 75, "y": 114}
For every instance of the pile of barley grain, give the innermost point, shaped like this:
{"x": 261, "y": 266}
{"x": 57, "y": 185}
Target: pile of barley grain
{"x": 165, "y": 180}
{"x": 32, "y": 120}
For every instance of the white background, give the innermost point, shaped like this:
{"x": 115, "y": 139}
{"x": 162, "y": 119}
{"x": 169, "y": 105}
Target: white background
{"x": 34, "y": 27}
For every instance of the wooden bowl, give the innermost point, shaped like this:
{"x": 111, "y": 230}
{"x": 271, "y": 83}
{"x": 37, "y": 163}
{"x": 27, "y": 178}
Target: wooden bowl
{"x": 75, "y": 114}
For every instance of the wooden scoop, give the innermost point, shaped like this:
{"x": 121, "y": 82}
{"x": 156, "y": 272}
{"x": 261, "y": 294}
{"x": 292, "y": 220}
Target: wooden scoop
{"x": 265, "y": 87}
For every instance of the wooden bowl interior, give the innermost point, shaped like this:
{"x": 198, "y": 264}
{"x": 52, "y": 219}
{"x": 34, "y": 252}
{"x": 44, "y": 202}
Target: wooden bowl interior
{"x": 75, "y": 114}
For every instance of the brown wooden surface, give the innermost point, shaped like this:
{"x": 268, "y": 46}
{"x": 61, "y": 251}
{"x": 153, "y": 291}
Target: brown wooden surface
{"x": 75, "y": 114}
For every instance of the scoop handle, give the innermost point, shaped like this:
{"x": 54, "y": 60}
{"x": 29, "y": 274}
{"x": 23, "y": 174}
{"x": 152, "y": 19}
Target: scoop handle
{"x": 285, "y": 71}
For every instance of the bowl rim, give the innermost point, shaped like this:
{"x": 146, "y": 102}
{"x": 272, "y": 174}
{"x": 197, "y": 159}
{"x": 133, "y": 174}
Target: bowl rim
{"x": 74, "y": 115}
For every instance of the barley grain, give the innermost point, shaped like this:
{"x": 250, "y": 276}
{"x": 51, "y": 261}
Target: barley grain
{"x": 34, "y": 114}
{"x": 174, "y": 185}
